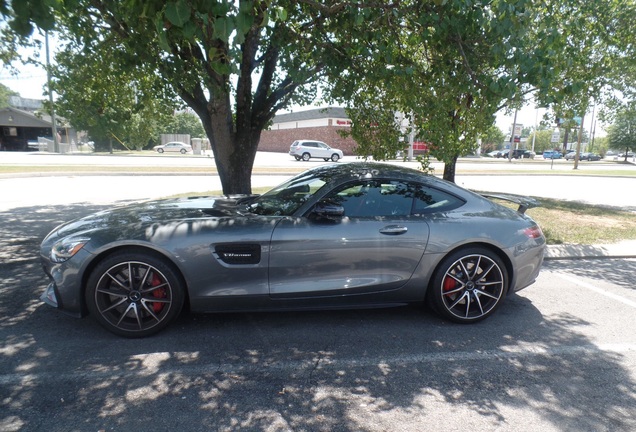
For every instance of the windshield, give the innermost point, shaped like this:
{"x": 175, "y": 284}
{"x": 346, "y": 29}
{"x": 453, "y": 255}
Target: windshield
{"x": 288, "y": 197}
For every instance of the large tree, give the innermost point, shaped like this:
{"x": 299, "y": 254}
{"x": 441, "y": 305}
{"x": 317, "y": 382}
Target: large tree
{"x": 110, "y": 100}
{"x": 5, "y": 93}
{"x": 622, "y": 134}
{"x": 453, "y": 65}
{"x": 448, "y": 65}
{"x": 235, "y": 63}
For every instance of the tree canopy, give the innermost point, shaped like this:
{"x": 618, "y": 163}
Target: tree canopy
{"x": 5, "y": 92}
{"x": 622, "y": 134}
{"x": 451, "y": 66}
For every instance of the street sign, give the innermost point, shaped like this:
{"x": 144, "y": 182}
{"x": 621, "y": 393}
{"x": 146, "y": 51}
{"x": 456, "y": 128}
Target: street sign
{"x": 556, "y": 136}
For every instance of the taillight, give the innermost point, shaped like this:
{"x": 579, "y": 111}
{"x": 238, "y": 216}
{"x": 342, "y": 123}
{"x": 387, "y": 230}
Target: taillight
{"x": 533, "y": 232}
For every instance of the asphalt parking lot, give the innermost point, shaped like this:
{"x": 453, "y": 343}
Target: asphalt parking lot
{"x": 558, "y": 356}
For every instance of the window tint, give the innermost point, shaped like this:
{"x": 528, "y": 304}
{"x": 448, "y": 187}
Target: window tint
{"x": 391, "y": 198}
{"x": 430, "y": 200}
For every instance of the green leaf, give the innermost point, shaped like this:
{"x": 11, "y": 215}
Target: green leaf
{"x": 178, "y": 12}
{"x": 223, "y": 27}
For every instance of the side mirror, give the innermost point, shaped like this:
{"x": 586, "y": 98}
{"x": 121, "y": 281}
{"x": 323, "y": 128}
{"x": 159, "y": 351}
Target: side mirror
{"x": 325, "y": 210}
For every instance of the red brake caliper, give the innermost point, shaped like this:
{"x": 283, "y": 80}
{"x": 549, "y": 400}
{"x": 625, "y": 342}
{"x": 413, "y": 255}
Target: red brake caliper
{"x": 158, "y": 293}
{"x": 449, "y": 284}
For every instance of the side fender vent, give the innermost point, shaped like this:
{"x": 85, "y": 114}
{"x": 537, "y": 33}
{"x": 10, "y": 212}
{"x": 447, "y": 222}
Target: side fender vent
{"x": 238, "y": 254}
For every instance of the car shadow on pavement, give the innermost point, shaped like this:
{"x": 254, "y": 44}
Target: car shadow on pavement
{"x": 362, "y": 370}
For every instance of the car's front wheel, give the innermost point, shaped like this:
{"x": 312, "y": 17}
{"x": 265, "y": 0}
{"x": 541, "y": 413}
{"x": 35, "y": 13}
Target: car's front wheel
{"x": 469, "y": 285}
{"x": 183, "y": 151}
{"x": 335, "y": 157}
{"x": 306, "y": 156}
{"x": 134, "y": 294}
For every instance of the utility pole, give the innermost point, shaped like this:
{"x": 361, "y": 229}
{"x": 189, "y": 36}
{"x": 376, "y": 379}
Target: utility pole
{"x": 512, "y": 135}
{"x": 578, "y": 144}
{"x": 534, "y": 135}
{"x": 56, "y": 143}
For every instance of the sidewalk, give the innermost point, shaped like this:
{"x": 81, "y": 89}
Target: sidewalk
{"x": 624, "y": 249}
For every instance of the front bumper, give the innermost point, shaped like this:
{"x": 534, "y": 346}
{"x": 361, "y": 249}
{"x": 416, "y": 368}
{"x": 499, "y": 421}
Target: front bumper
{"x": 64, "y": 292}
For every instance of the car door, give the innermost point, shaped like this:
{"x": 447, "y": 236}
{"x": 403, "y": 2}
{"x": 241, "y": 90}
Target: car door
{"x": 322, "y": 150}
{"x": 375, "y": 247}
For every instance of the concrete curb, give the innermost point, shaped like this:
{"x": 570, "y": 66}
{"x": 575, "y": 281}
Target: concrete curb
{"x": 623, "y": 249}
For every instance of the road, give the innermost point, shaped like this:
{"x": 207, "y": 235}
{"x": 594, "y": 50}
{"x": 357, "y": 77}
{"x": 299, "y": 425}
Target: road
{"x": 616, "y": 190}
{"x": 558, "y": 356}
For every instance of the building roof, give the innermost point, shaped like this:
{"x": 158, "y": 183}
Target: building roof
{"x": 18, "y": 118}
{"x": 312, "y": 114}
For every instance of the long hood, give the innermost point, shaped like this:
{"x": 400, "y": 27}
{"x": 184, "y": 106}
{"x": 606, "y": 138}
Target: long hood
{"x": 138, "y": 216}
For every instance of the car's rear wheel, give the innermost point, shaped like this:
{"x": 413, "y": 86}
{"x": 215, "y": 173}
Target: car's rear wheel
{"x": 306, "y": 156}
{"x": 469, "y": 285}
{"x": 334, "y": 157}
{"x": 134, "y": 294}
{"x": 159, "y": 150}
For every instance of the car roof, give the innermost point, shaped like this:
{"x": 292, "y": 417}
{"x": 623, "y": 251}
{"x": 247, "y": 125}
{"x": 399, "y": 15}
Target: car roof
{"x": 342, "y": 172}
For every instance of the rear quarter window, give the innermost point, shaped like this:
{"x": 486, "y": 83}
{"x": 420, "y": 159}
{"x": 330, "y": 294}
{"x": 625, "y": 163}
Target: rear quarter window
{"x": 430, "y": 200}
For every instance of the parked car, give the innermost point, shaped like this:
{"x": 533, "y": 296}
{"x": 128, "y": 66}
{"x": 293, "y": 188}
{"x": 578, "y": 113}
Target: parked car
{"x": 516, "y": 154}
{"x": 552, "y": 154}
{"x": 590, "y": 156}
{"x": 523, "y": 154}
{"x": 174, "y": 146}
{"x": 337, "y": 236}
{"x": 583, "y": 156}
{"x": 306, "y": 149}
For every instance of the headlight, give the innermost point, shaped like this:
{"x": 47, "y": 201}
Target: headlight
{"x": 66, "y": 248}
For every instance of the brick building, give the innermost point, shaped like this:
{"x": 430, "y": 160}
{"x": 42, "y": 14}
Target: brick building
{"x": 321, "y": 124}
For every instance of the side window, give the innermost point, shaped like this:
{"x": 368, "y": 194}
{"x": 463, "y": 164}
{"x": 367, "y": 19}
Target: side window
{"x": 429, "y": 200}
{"x": 311, "y": 144}
{"x": 375, "y": 198}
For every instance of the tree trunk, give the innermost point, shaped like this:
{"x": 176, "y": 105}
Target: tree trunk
{"x": 449, "y": 169}
{"x": 234, "y": 151}
{"x": 235, "y": 163}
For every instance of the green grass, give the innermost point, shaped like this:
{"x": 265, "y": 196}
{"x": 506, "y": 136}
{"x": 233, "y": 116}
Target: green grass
{"x": 568, "y": 222}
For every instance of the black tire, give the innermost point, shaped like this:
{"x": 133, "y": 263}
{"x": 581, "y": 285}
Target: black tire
{"x": 183, "y": 151}
{"x": 334, "y": 157}
{"x": 297, "y": 158}
{"x": 159, "y": 150}
{"x": 468, "y": 285}
{"x": 134, "y": 307}
{"x": 326, "y": 159}
{"x": 306, "y": 156}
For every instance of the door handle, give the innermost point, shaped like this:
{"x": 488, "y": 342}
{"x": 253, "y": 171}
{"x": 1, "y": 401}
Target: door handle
{"x": 393, "y": 230}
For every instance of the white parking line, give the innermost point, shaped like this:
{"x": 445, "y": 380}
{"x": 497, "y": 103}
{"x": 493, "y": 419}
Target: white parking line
{"x": 597, "y": 290}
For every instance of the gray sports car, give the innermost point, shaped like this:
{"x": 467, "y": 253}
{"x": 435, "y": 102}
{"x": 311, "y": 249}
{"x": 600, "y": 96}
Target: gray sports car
{"x": 336, "y": 236}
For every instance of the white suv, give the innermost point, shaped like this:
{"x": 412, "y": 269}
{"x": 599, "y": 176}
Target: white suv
{"x": 306, "y": 149}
